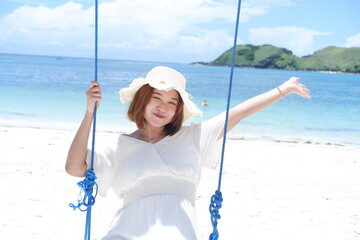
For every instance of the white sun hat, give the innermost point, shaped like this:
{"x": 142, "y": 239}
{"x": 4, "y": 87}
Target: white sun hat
{"x": 163, "y": 78}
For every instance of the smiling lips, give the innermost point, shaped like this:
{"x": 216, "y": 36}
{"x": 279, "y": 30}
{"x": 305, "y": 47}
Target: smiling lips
{"x": 159, "y": 115}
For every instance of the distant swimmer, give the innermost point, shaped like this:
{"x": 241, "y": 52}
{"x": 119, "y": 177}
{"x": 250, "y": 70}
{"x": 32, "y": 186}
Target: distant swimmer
{"x": 205, "y": 103}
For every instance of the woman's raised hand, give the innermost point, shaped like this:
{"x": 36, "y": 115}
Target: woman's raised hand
{"x": 93, "y": 95}
{"x": 293, "y": 86}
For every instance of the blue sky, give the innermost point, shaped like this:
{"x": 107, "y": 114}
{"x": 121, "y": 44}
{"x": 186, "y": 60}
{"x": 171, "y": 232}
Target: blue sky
{"x": 174, "y": 30}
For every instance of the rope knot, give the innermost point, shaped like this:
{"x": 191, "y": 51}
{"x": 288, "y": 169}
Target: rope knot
{"x": 86, "y": 197}
{"x": 215, "y": 205}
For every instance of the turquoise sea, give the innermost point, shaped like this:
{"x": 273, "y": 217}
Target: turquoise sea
{"x": 49, "y": 92}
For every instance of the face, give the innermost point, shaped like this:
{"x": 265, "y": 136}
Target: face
{"x": 161, "y": 108}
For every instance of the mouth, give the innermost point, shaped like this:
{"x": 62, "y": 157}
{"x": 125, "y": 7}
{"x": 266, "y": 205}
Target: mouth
{"x": 159, "y": 115}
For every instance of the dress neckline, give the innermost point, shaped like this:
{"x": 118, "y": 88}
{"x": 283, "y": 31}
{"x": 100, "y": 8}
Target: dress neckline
{"x": 143, "y": 141}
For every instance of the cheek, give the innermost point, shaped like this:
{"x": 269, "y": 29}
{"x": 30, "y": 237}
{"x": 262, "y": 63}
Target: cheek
{"x": 151, "y": 104}
{"x": 172, "y": 112}
{"x": 148, "y": 109}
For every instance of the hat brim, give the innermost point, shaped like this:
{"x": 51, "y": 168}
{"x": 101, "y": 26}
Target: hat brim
{"x": 190, "y": 108}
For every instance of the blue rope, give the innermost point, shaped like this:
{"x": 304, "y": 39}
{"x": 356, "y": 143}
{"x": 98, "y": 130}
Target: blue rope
{"x": 86, "y": 197}
{"x": 96, "y": 42}
{"x": 216, "y": 199}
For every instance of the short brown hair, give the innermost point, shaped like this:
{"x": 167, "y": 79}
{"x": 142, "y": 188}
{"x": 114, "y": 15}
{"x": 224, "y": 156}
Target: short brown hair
{"x": 138, "y": 105}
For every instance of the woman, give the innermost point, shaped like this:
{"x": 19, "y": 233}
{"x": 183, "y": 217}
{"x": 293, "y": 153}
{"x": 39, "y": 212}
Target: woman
{"x": 157, "y": 168}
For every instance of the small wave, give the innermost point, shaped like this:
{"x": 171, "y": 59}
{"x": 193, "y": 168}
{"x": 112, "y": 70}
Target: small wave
{"x": 21, "y": 114}
{"x": 332, "y": 129}
{"x": 297, "y": 139}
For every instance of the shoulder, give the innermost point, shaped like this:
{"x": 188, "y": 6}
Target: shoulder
{"x": 185, "y": 133}
{"x": 134, "y": 134}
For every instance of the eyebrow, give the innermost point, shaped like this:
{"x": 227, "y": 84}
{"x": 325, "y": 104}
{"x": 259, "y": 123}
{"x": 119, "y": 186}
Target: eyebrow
{"x": 162, "y": 95}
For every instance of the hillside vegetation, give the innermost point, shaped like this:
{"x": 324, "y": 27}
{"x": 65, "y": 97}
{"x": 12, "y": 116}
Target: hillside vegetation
{"x": 268, "y": 56}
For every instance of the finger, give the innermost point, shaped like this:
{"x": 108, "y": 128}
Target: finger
{"x": 95, "y": 95}
{"x": 94, "y": 84}
{"x": 295, "y": 78}
{"x": 91, "y": 94}
{"x": 94, "y": 90}
{"x": 306, "y": 95}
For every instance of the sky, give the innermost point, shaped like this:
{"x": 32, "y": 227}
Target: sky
{"x": 180, "y": 31}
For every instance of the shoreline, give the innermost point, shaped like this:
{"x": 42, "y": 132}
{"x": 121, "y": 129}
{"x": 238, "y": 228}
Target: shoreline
{"x": 233, "y": 135}
{"x": 236, "y": 134}
{"x": 72, "y": 128}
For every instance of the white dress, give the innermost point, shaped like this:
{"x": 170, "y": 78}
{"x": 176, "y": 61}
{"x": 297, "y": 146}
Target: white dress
{"x": 158, "y": 181}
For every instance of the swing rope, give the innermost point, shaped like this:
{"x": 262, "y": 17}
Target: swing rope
{"x": 217, "y": 199}
{"x": 86, "y": 197}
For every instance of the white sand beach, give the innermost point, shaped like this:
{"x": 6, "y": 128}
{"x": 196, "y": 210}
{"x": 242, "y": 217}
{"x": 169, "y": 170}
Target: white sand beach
{"x": 271, "y": 190}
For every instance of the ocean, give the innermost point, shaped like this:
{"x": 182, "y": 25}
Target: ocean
{"x": 49, "y": 92}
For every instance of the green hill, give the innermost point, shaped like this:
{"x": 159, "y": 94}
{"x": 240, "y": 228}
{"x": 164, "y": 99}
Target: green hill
{"x": 267, "y": 56}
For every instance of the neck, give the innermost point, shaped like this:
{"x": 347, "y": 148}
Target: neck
{"x": 152, "y": 135}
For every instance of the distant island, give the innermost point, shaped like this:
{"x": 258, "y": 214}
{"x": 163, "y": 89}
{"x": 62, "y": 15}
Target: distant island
{"x": 332, "y": 58}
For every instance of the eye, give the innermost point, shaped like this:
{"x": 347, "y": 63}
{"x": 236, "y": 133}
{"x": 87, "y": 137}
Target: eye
{"x": 172, "y": 103}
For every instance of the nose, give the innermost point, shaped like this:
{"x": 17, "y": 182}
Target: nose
{"x": 162, "y": 107}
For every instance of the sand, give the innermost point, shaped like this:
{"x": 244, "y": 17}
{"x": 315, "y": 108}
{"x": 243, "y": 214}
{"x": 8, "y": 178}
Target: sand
{"x": 272, "y": 190}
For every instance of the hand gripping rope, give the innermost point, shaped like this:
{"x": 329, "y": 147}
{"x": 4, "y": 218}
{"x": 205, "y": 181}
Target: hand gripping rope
{"x": 86, "y": 197}
{"x": 216, "y": 199}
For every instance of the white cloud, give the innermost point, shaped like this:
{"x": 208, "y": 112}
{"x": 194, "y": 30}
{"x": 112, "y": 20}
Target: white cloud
{"x": 247, "y": 12}
{"x": 159, "y": 27}
{"x": 204, "y": 41}
{"x": 256, "y": 8}
{"x": 43, "y": 26}
{"x": 353, "y": 41}
{"x": 123, "y": 24}
{"x": 299, "y": 40}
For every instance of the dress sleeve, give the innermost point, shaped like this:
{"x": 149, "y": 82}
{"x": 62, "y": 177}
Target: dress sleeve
{"x": 103, "y": 168}
{"x": 209, "y": 144}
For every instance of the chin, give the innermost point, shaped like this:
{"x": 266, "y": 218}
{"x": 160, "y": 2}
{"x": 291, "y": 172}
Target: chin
{"x": 158, "y": 124}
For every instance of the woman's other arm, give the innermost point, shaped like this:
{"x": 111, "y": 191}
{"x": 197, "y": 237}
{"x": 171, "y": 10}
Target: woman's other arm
{"x": 262, "y": 101}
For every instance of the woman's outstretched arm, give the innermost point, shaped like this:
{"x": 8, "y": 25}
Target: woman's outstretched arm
{"x": 262, "y": 101}
{"x": 75, "y": 163}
